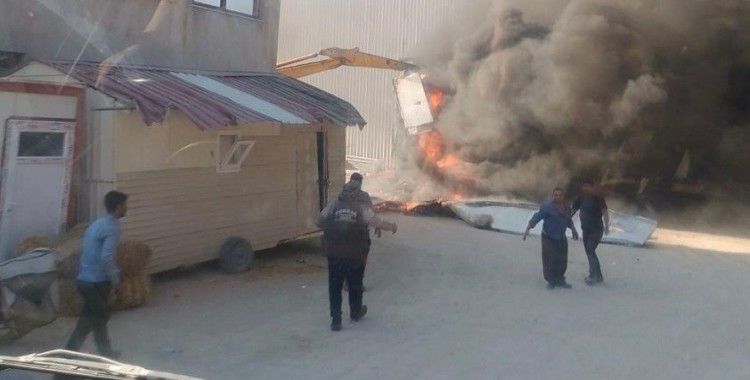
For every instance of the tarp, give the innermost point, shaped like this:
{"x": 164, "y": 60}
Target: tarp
{"x": 26, "y": 283}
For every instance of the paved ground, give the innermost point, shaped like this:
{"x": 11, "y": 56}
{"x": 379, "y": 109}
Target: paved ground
{"x": 447, "y": 302}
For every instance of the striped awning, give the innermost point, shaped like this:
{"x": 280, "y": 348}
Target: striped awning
{"x": 214, "y": 99}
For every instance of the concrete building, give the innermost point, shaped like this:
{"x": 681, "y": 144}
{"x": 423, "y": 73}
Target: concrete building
{"x": 205, "y": 154}
{"x": 187, "y": 34}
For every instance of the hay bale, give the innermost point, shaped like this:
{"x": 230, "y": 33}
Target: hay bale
{"x": 66, "y": 261}
{"x": 69, "y": 301}
{"x": 68, "y": 251}
{"x": 31, "y": 243}
{"x": 132, "y": 257}
{"x": 133, "y": 291}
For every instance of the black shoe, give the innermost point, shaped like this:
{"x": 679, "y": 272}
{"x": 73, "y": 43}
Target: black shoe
{"x": 336, "y": 324}
{"x": 564, "y": 285}
{"x": 358, "y": 316}
{"x": 593, "y": 280}
{"x": 550, "y": 286}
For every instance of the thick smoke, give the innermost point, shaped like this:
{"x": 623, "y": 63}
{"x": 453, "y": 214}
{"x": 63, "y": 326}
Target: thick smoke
{"x": 544, "y": 92}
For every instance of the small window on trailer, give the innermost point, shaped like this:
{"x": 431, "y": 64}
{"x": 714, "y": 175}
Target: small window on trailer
{"x": 244, "y": 7}
{"x": 232, "y": 152}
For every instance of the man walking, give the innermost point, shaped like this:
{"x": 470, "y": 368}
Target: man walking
{"x": 363, "y": 198}
{"x": 557, "y": 219}
{"x": 345, "y": 242}
{"x": 97, "y": 274}
{"x": 593, "y": 210}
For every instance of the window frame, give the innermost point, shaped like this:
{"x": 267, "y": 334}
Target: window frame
{"x": 61, "y": 143}
{"x": 256, "y": 15}
{"x": 239, "y": 145}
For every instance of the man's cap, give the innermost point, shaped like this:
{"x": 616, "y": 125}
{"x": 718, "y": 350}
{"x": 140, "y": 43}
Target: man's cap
{"x": 356, "y": 177}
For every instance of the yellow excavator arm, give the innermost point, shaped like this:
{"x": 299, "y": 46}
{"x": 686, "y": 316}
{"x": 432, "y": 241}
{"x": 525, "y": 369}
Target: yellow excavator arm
{"x": 335, "y": 57}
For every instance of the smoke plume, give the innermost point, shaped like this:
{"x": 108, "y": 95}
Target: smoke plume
{"x": 543, "y": 92}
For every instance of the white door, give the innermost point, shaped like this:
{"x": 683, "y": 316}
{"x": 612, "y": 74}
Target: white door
{"x": 35, "y": 182}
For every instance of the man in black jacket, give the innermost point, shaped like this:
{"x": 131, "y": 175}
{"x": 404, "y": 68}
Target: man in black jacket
{"x": 594, "y": 225}
{"x": 363, "y": 198}
{"x": 346, "y": 241}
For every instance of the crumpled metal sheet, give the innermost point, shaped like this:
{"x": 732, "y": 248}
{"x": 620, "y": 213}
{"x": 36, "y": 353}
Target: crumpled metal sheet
{"x": 413, "y": 105}
{"x": 213, "y": 99}
{"x": 514, "y": 217}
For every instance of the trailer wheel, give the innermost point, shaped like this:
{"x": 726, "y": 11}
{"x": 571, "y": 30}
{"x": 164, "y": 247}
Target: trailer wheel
{"x": 236, "y": 255}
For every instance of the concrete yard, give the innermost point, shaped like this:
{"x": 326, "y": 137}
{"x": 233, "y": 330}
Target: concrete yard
{"x": 447, "y": 302}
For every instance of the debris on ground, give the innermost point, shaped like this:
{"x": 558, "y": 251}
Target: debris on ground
{"x": 512, "y": 217}
{"x": 428, "y": 208}
{"x": 431, "y": 208}
{"x": 31, "y": 243}
{"x": 26, "y": 293}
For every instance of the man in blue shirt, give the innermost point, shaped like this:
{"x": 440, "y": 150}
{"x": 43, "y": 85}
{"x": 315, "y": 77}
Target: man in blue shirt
{"x": 594, "y": 210}
{"x": 97, "y": 274}
{"x": 557, "y": 219}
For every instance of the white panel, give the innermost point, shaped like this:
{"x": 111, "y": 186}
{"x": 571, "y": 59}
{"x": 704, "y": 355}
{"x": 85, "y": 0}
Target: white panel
{"x": 242, "y": 98}
{"x": 415, "y": 109}
{"x": 242, "y": 6}
{"x": 514, "y": 217}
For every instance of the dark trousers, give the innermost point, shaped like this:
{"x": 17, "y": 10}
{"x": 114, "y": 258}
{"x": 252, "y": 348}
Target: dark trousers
{"x": 554, "y": 259}
{"x": 94, "y": 317}
{"x": 351, "y": 270}
{"x": 591, "y": 239}
{"x": 364, "y": 263}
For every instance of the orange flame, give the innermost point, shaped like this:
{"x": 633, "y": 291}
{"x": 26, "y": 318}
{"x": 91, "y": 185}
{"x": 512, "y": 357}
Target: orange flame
{"x": 448, "y": 162}
{"x": 432, "y": 145}
{"x": 410, "y": 205}
{"x": 436, "y": 98}
{"x": 433, "y": 148}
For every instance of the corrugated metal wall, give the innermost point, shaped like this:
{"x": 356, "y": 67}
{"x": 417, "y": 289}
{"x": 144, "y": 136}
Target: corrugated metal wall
{"x": 392, "y": 28}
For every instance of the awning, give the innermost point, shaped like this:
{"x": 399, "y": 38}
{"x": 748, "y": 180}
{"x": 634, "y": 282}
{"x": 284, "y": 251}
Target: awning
{"x": 214, "y": 99}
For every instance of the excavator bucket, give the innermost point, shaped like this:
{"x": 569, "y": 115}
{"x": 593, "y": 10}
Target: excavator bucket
{"x": 413, "y": 104}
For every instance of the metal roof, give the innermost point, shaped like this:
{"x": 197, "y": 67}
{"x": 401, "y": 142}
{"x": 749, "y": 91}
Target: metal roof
{"x": 214, "y": 99}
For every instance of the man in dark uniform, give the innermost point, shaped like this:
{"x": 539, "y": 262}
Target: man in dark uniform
{"x": 593, "y": 210}
{"x": 363, "y": 198}
{"x": 346, "y": 241}
{"x": 557, "y": 219}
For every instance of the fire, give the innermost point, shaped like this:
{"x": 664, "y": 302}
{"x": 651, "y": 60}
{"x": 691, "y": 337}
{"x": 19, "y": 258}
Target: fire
{"x": 436, "y": 98}
{"x": 456, "y": 196}
{"x": 432, "y": 145}
{"x": 410, "y": 205}
{"x": 448, "y": 162}
{"x": 448, "y": 166}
